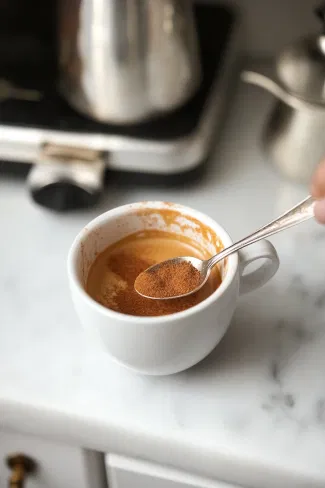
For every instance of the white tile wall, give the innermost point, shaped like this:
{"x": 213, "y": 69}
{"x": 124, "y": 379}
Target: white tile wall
{"x": 269, "y": 24}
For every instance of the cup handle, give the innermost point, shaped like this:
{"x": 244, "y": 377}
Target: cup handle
{"x": 266, "y": 253}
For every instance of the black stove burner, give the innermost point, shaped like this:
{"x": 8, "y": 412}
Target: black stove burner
{"x": 214, "y": 24}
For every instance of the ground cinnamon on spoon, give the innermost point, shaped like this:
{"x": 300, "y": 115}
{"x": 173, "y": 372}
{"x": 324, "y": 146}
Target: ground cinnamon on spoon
{"x": 168, "y": 280}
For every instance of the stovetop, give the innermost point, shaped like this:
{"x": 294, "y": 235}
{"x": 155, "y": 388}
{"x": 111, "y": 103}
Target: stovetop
{"x": 53, "y": 113}
{"x": 167, "y": 150}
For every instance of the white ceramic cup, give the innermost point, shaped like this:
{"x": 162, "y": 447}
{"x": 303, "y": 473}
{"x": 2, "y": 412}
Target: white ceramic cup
{"x": 171, "y": 343}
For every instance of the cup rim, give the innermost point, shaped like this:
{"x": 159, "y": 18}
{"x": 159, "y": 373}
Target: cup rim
{"x": 123, "y": 210}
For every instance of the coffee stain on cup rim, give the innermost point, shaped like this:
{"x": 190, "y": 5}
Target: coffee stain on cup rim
{"x": 167, "y": 216}
{"x": 175, "y": 216}
{"x": 172, "y": 215}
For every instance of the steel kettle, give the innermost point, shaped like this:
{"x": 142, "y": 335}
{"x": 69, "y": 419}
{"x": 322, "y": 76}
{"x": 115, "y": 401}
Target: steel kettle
{"x": 294, "y": 135}
{"x": 125, "y": 61}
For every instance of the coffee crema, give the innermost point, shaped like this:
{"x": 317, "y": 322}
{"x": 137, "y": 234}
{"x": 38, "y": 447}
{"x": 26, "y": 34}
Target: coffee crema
{"x": 112, "y": 275}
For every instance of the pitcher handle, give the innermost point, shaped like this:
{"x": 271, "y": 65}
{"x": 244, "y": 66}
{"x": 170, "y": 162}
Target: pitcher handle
{"x": 274, "y": 87}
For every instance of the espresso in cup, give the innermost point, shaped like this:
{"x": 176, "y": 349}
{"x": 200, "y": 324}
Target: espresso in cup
{"x": 112, "y": 275}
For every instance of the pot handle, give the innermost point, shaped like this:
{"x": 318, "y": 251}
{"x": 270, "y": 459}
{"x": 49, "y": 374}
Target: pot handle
{"x": 276, "y": 89}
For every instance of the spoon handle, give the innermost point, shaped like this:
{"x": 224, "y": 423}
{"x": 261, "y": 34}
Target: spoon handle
{"x": 299, "y": 213}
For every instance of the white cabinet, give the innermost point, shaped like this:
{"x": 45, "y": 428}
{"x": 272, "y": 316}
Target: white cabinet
{"x": 58, "y": 466}
{"x": 131, "y": 473}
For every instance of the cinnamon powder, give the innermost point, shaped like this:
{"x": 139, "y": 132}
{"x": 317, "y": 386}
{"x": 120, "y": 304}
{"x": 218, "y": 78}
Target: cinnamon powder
{"x": 170, "y": 279}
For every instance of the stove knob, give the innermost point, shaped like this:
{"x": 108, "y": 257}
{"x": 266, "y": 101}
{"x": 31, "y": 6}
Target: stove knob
{"x": 64, "y": 195}
{"x": 63, "y": 186}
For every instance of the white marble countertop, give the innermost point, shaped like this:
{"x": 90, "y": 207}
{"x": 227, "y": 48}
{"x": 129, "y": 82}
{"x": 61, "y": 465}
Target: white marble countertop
{"x": 252, "y": 413}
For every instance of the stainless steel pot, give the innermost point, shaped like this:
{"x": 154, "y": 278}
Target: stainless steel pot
{"x": 294, "y": 136}
{"x": 124, "y": 61}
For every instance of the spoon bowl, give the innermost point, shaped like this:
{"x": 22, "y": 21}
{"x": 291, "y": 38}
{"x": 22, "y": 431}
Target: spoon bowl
{"x": 297, "y": 214}
{"x": 202, "y": 267}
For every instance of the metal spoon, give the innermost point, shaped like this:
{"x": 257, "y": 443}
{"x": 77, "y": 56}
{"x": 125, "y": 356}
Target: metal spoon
{"x": 299, "y": 213}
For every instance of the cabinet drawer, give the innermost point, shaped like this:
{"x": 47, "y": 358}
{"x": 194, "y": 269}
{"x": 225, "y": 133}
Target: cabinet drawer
{"x": 57, "y": 466}
{"x": 132, "y": 473}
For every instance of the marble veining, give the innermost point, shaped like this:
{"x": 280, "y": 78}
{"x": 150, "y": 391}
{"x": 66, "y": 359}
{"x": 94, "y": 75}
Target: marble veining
{"x": 252, "y": 412}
